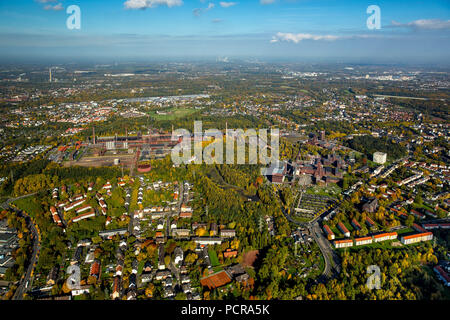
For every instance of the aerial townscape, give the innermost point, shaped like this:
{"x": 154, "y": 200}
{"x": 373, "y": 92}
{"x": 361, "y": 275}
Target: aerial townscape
{"x": 94, "y": 206}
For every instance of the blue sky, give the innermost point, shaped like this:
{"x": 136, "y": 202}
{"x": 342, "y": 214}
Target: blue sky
{"x": 414, "y": 31}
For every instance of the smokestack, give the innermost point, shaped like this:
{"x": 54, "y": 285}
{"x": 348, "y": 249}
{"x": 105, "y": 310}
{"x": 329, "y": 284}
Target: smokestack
{"x": 50, "y": 75}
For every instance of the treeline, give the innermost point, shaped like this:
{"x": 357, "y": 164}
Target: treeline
{"x": 242, "y": 176}
{"x": 81, "y": 173}
{"x": 22, "y": 253}
{"x": 53, "y": 176}
{"x": 16, "y": 171}
{"x": 402, "y": 276}
{"x": 435, "y": 108}
{"x": 368, "y": 145}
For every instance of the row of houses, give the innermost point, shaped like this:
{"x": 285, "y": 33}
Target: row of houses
{"x": 433, "y": 226}
{"x": 84, "y": 216}
{"x": 365, "y": 240}
{"x": 442, "y": 275}
{"x": 56, "y": 217}
{"x": 415, "y": 238}
{"x": 331, "y": 236}
{"x": 73, "y": 205}
{"x": 407, "y": 239}
{"x": 410, "y": 179}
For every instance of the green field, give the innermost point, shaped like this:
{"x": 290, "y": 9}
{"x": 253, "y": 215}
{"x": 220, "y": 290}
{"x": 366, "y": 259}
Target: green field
{"x": 213, "y": 258}
{"x": 30, "y": 205}
{"x": 332, "y": 190}
{"x": 172, "y": 114}
{"x": 403, "y": 231}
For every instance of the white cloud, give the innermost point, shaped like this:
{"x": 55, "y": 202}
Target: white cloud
{"x": 426, "y": 24}
{"x": 298, "y": 37}
{"x": 56, "y": 7}
{"x": 143, "y": 4}
{"x": 225, "y": 4}
{"x": 197, "y": 12}
{"x": 264, "y": 2}
{"x": 46, "y": 1}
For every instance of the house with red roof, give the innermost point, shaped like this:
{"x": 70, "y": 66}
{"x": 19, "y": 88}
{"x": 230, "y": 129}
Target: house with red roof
{"x": 328, "y": 232}
{"x": 385, "y": 236}
{"x": 343, "y": 243}
{"x": 415, "y": 238}
{"x": 344, "y": 230}
{"x": 362, "y": 241}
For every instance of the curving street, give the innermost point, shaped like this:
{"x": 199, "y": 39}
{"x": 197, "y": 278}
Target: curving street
{"x": 332, "y": 261}
{"x": 24, "y": 282}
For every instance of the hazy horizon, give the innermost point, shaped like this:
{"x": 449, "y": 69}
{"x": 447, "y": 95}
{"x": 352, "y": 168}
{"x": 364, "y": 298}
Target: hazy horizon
{"x": 313, "y": 31}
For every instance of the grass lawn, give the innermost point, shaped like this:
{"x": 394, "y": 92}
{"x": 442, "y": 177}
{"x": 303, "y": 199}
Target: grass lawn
{"x": 403, "y": 231}
{"x": 422, "y": 206}
{"x": 332, "y": 190}
{"x": 321, "y": 264}
{"x": 217, "y": 269}
{"x": 141, "y": 266}
{"x": 384, "y": 245}
{"x": 213, "y": 258}
{"x": 29, "y": 205}
{"x": 172, "y": 114}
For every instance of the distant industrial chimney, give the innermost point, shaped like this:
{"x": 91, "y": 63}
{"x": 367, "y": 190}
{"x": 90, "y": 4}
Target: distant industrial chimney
{"x": 50, "y": 75}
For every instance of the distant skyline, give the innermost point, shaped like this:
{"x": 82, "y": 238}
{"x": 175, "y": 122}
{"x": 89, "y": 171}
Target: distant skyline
{"x": 304, "y": 30}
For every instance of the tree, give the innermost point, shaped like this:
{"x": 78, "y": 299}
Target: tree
{"x": 409, "y": 221}
{"x": 201, "y": 232}
{"x": 418, "y": 199}
{"x": 167, "y": 260}
{"x": 191, "y": 258}
{"x": 149, "y": 290}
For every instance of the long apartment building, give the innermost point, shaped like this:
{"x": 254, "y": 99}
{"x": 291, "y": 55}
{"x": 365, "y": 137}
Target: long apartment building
{"x": 344, "y": 230}
{"x": 431, "y": 226}
{"x": 343, "y": 243}
{"x": 328, "y": 232}
{"x": 362, "y": 241}
{"x": 365, "y": 240}
{"x": 385, "y": 236}
{"x": 415, "y": 238}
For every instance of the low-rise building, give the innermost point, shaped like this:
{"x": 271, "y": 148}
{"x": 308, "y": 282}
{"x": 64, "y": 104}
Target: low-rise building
{"x": 343, "y": 243}
{"x": 330, "y": 234}
{"x": 228, "y": 233}
{"x": 415, "y": 238}
{"x": 442, "y": 275}
{"x": 344, "y": 230}
{"x": 385, "y": 236}
{"x": 363, "y": 241}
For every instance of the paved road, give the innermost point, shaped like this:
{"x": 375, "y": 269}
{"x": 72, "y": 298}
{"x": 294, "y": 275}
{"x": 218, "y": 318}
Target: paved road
{"x": 332, "y": 261}
{"x": 24, "y": 283}
{"x": 5, "y": 205}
